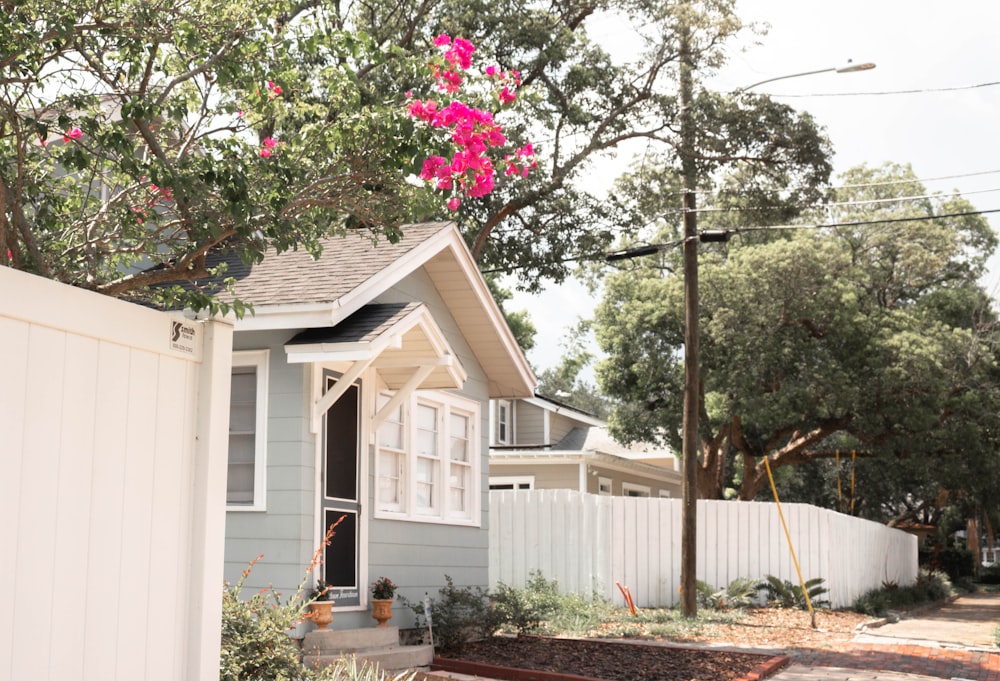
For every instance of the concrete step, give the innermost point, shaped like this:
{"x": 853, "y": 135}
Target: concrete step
{"x": 330, "y": 641}
{"x": 380, "y": 645}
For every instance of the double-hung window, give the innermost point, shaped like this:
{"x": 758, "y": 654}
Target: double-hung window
{"x": 247, "y": 467}
{"x": 504, "y": 422}
{"x": 428, "y": 460}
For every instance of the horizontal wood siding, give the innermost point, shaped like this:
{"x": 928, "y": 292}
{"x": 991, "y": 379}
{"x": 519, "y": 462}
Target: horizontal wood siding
{"x": 529, "y": 424}
{"x": 588, "y": 542}
{"x": 547, "y": 476}
{"x": 285, "y": 532}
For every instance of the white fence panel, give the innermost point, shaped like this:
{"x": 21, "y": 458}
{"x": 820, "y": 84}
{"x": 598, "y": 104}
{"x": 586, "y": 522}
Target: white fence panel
{"x": 588, "y": 543}
{"x": 114, "y": 426}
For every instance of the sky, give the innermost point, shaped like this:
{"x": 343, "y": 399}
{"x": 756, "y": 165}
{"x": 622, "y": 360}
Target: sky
{"x": 945, "y": 127}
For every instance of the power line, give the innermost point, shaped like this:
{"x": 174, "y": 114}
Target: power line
{"x": 835, "y": 204}
{"x": 918, "y": 91}
{"x": 862, "y": 223}
{"x": 715, "y": 235}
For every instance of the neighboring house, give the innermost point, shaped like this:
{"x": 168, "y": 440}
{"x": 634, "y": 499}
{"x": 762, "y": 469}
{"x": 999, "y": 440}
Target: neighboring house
{"x": 361, "y": 386}
{"x": 540, "y": 443}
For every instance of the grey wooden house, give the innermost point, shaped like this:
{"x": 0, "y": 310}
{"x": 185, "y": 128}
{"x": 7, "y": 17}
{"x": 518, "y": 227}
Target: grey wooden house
{"x": 361, "y": 388}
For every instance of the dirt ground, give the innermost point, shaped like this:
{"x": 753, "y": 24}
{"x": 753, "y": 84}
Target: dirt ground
{"x": 769, "y": 629}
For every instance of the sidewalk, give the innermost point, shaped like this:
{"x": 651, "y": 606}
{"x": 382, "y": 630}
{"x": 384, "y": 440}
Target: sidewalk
{"x": 955, "y": 641}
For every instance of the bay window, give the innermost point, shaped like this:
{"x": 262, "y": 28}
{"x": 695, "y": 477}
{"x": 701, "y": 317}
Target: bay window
{"x": 428, "y": 460}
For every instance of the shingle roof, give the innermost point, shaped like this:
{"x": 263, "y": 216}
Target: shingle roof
{"x": 294, "y": 277}
{"x": 365, "y": 325}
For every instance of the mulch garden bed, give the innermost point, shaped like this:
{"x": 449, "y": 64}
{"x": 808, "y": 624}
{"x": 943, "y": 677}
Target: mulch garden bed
{"x": 531, "y": 658}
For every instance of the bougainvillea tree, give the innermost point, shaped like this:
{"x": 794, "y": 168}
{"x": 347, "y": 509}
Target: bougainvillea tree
{"x": 135, "y": 137}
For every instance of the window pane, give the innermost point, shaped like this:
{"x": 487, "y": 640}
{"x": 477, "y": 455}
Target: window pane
{"x": 459, "y": 432}
{"x": 242, "y": 436}
{"x": 388, "y": 481}
{"x": 459, "y": 484}
{"x": 390, "y": 434}
{"x": 427, "y": 430}
{"x": 239, "y": 483}
{"x": 426, "y": 474}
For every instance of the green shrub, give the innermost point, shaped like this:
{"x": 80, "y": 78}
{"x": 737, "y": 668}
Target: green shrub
{"x": 930, "y": 587}
{"x": 525, "y": 610}
{"x": 990, "y": 575}
{"x": 457, "y": 615}
{"x": 256, "y": 645}
{"x": 740, "y": 593}
{"x": 255, "y": 642}
{"x": 956, "y": 562}
{"x": 785, "y": 594}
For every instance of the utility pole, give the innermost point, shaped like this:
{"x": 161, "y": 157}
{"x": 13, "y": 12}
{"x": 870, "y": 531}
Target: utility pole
{"x": 689, "y": 479}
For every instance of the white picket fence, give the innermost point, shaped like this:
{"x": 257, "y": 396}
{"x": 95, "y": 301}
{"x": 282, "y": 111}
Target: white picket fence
{"x": 113, "y": 438}
{"x": 587, "y": 543}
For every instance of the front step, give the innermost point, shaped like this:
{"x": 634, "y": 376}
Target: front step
{"x": 380, "y": 645}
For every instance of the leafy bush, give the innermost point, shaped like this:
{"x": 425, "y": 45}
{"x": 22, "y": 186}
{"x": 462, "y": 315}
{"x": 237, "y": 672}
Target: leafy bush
{"x": 457, "y": 615}
{"x": 740, "y": 593}
{"x": 956, "y": 562}
{"x": 255, "y": 642}
{"x": 785, "y": 594}
{"x": 930, "y": 587}
{"x": 524, "y": 610}
{"x": 990, "y": 575}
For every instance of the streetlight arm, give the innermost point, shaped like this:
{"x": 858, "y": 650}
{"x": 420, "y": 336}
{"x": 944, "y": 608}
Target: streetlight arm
{"x": 849, "y": 68}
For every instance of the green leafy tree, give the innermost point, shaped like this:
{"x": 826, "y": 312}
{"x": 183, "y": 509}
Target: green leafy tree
{"x": 873, "y": 336}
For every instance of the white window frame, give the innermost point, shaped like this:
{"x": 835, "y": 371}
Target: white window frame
{"x": 665, "y": 494}
{"x": 259, "y": 360}
{"x": 516, "y": 481}
{"x": 603, "y": 483}
{"x": 643, "y": 490}
{"x": 504, "y": 426}
{"x": 440, "y": 510}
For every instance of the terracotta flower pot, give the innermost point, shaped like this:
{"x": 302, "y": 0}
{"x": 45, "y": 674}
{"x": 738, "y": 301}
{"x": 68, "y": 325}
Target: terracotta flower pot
{"x": 382, "y": 610}
{"x": 321, "y": 613}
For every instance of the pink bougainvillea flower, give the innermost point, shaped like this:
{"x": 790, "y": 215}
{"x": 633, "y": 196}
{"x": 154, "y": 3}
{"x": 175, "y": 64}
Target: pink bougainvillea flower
{"x": 492, "y": 71}
{"x": 73, "y": 134}
{"x": 460, "y": 53}
{"x": 270, "y": 142}
{"x": 453, "y": 203}
{"x": 276, "y": 89}
{"x": 506, "y": 96}
{"x": 442, "y": 40}
{"x": 265, "y": 153}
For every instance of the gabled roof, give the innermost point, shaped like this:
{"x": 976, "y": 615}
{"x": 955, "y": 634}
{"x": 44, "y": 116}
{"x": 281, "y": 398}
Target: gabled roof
{"x": 291, "y": 290}
{"x": 394, "y": 337}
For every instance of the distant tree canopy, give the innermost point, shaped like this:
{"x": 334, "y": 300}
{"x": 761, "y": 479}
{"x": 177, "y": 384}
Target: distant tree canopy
{"x": 873, "y": 337}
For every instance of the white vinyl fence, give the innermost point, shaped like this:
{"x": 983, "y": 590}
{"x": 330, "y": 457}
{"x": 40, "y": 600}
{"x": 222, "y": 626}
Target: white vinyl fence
{"x": 587, "y": 542}
{"x": 113, "y": 439}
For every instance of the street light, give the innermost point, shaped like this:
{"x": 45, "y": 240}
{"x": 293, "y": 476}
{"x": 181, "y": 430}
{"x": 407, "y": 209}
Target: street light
{"x": 692, "y": 380}
{"x": 850, "y": 67}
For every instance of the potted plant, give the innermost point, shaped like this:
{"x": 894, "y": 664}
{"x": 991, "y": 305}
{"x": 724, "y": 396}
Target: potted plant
{"x": 383, "y": 592}
{"x": 321, "y": 605}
